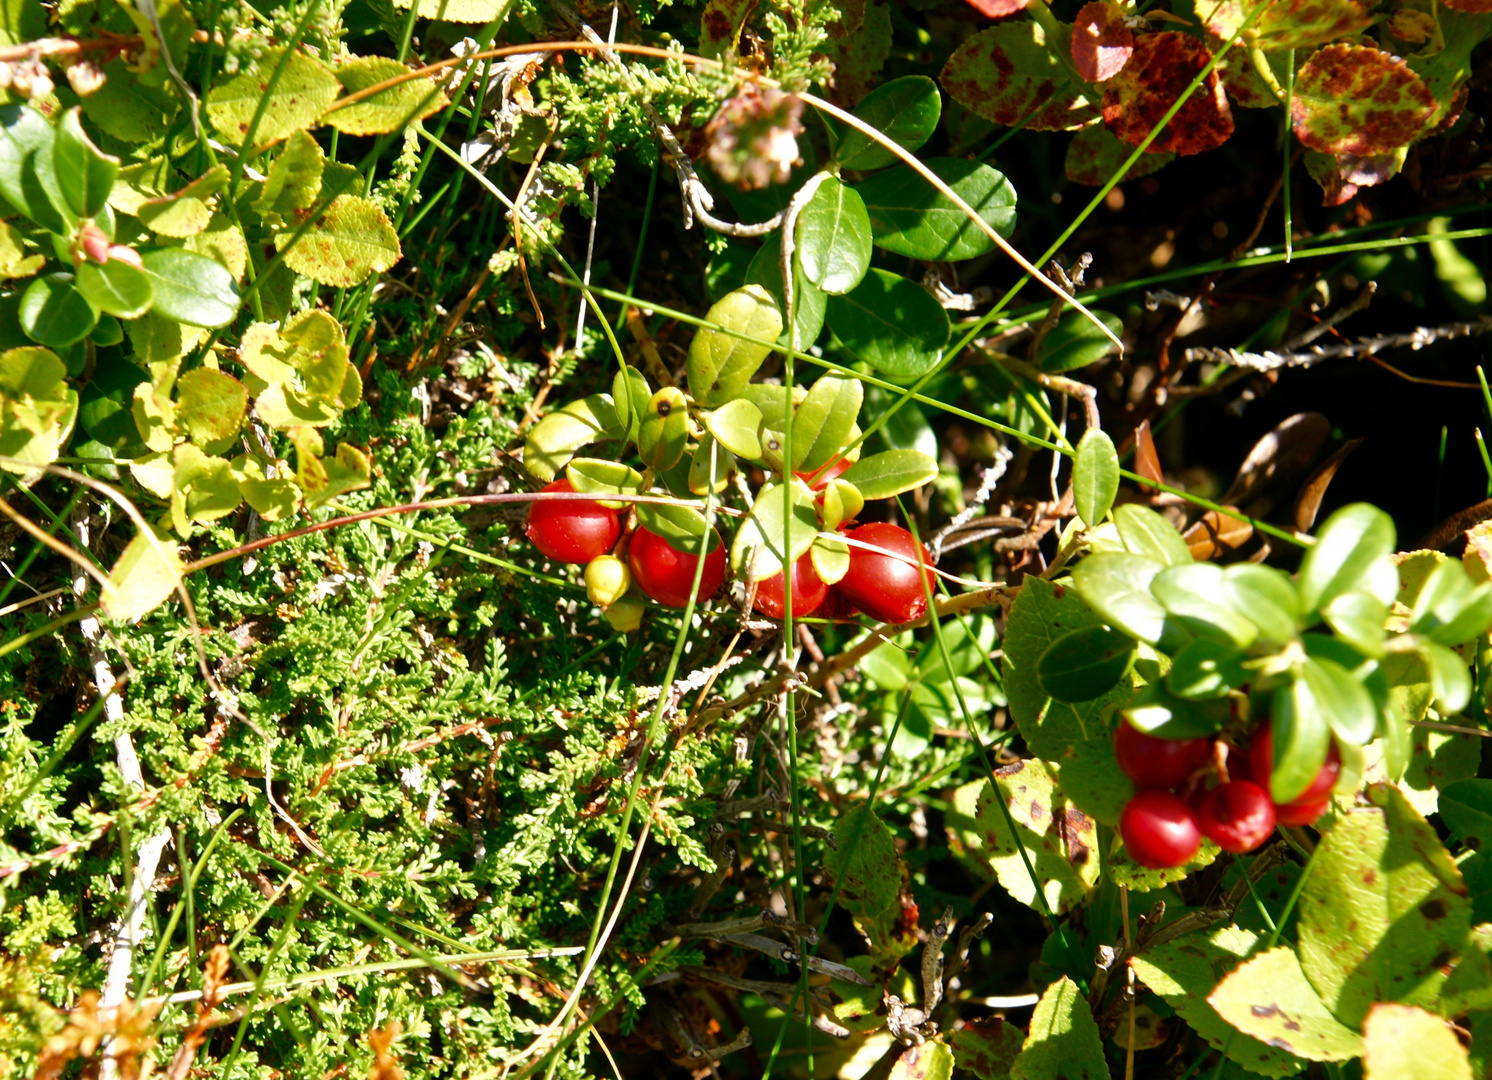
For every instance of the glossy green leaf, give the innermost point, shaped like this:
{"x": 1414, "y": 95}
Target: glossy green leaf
{"x": 831, "y": 557}
{"x": 104, "y": 407}
{"x": 822, "y": 423}
{"x": 710, "y": 467}
{"x": 630, "y": 393}
{"x": 1193, "y": 593}
{"x": 604, "y": 477}
{"x": 1382, "y": 909}
{"x": 833, "y": 237}
{"x": 1084, "y": 664}
{"x": 841, "y": 501}
{"x": 735, "y": 425}
{"x": 664, "y": 430}
{"x": 116, "y": 287}
{"x": 210, "y": 405}
{"x": 28, "y": 178}
{"x": 1269, "y": 999}
{"x": 1449, "y": 608}
{"x": 84, "y": 172}
{"x": 1358, "y": 617}
{"x": 892, "y": 324}
{"x": 1466, "y": 808}
{"x": 720, "y": 364}
{"x": 1265, "y": 596}
{"x": 1145, "y": 532}
{"x": 809, "y": 301}
{"x": 1156, "y": 711}
{"x": 1348, "y": 706}
{"x": 54, "y": 312}
{"x": 1117, "y": 586}
{"x": 1302, "y": 735}
{"x": 892, "y": 472}
{"x": 680, "y": 524}
{"x": 905, "y": 110}
{"x": 191, "y": 288}
{"x": 555, "y": 438}
{"x": 910, "y": 217}
{"x": 1095, "y": 476}
{"x": 1075, "y": 342}
{"x": 768, "y": 538}
{"x": 1064, "y": 1041}
{"x": 1342, "y": 558}
{"x": 1449, "y": 677}
{"x": 1206, "y": 669}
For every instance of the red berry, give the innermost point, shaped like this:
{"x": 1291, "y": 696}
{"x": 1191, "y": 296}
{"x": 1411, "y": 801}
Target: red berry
{"x": 1158, "y": 763}
{"x": 1236, "y": 816}
{"x": 1159, "y": 830}
{"x": 884, "y": 583}
{"x": 835, "y": 606}
{"x": 667, "y": 575}
{"x": 569, "y": 530}
{"x": 1261, "y": 765}
{"x": 1301, "y": 812}
{"x": 809, "y": 591}
{"x": 818, "y": 479}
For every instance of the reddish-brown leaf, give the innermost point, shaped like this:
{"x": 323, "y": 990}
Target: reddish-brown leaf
{"x": 1323, "y": 169}
{"x": 998, "y": 9}
{"x": 1094, "y": 156}
{"x": 1101, "y": 43}
{"x": 1147, "y": 461}
{"x": 1308, "y": 502}
{"x": 1241, "y": 79}
{"x": 1215, "y": 534}
{"x": 1280, "y": 454}
{"x": 1475, "y": 7}
{"x": 1353, "y": 99}
{"x": 1008, "y": 74}
{"x": 1162, "y": 67}
{"x": 1291, "y": 24}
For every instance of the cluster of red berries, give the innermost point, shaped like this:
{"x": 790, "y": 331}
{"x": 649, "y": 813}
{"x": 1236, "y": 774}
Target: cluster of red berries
{"x": 1191, "y": 788}
{"x": 883, "y": 582}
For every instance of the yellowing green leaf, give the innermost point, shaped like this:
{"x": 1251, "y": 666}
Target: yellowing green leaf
{"x": 350, "y": 240}
{"x": 1270, "y": 999}
{"x": 1064, "y": 1040}
{"x": 721, "y": 364}
{"x": 185, "y": 212}
{"x": 299, "y": 96}
{"x": 460, "y": 11}
{"x": 210, "y": 405}
{"x": 387, "y": 110}
{"x": 1401, "y": 1042}
{"x": 146, "y": 573}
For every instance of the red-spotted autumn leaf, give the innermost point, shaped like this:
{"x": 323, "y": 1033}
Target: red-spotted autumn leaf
{"x": 1406, "y": 24}
{"x": 1008, "y": 74}
{"x": 1241, "y": 79}
{"x": 1291, "y": 24}
{"x": 1354, "y": 99}
{"x": 998, "y": 9}
{"x": 1094, "y": 155}
{"x": 1162, "y": 67}
{"x": 1101, "y": 43}
{"x": 1342, "y": 175}
{"x": 1323, "y": 169}
{"x": 1475, "y": 7}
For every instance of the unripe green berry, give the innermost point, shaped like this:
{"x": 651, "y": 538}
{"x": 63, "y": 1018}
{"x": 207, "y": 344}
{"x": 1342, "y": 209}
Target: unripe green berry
{"x": 606, "y": 580}
{"x": 625, "y": 614}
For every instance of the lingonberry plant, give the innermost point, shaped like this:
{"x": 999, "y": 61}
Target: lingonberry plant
{"x": 551, "y": 540}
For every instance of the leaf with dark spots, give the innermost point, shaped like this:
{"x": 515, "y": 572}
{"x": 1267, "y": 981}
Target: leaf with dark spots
{"x": 1291, "y": 24}
{"x": 1354, "y": 99}
{"x": 1094, "y": 156}
{"x": 1008, "y": 74}
{"x": 1101, "y": 43}
{"x": 1159, "y": 72}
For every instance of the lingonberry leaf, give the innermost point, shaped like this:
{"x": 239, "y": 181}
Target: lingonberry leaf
{"x": 822, "y": 423}
{"x": 710, "y": 467}
{"x": 663, "y": 430}
{"x": 833, "y": 237}
{"x": 53, "y": 311}
{"x": 1193, "y": 592}
{"x": 116, "y": 287}
{"x": 911, "y": 217}
{"x": 1290, "y": 24}
{"x": 1302, "y": 736}
{"x": 809, "y": 301}
{"x": 28, "y": 179}
{"x": 84, "y": 172}
{"x": 1206, "y": 669}
{"x": 1075, "y": 342}
{"x": 679, "y": 524}
{"x": 831, "y": 558}
{"x": 890, "y": 473}
{"x": 894, "y": 325}
{"x": 191, "y": 288}
{"x": 1354, "y": 99}
{"x": 1346, "y": 553}
{"x": 1116, "y": 585}
{"x": 1095, "y": 155}
{"x": 720, "y": 364}
{"x": 765, "y": 542}
{"x": 735, "y": 424}
{"x": 1145, "y": 532}
{"x": 607, "y": 477}
{"x": 1009, "y": 74}
{"x": 1084, "y": 664}
{"x": 1095, "y": 476}
{"x": 905, "y": 110}
{"x": 1270, "y": 999}
{"x": 1162, "y": 67}
{"x": 555, "y": 438}
{"x": 1101, "y": 43}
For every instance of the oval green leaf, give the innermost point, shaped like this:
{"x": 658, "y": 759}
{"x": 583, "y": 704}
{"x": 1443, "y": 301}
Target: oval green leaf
{"x": 1075, "y": 342}
{"x": 720, "y": 363}
{"x": 833, "y": 237}
{"x": 54, "y": 312}
{"x": 1193, "y": 593}
{"x": 1145, "y": 532}
{"x": 735, "y": 425}
{"x": 892, "y": 324}
{"x": 1302, "y": 737}
{"x": 1204, "y": 670}
{"x": 678, "y": 523}
{"x": 809, "y": 301}
{"x": 1095, "y": 476}
{"x": 905, "y": 110}
{"x": 116, "y": 287}
{"x": 191, "y": 288}
{"x": 911, "y": 217}
{"x": 880, "y": 476}
{"x": 822, "y": 423}
{"x": 1116, "y": 585}
{"x": 764, "y": 543}
{"x": 1342, "y": 558}
{"x": 1266, "y": 597}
